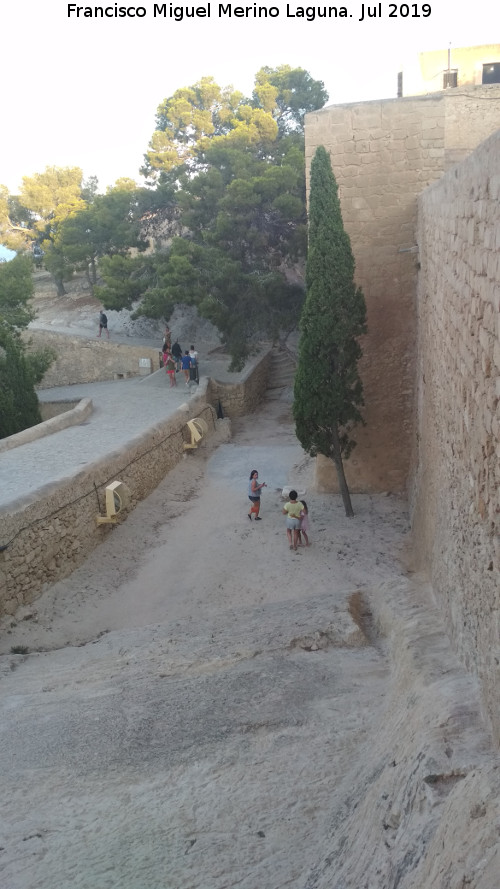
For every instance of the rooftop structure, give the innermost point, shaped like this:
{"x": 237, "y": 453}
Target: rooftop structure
{"x": 441, "y": 69}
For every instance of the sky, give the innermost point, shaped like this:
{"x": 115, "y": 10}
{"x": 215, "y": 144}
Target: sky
{"x": 83, "y": 92}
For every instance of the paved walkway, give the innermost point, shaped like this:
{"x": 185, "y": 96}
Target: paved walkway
{"x": 122, "y": 410}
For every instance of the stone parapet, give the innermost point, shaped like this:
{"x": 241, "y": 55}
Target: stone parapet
{"x": 46, "y": 538}
{"x": 242, "y": 397}
{"x": 56, "y": 419}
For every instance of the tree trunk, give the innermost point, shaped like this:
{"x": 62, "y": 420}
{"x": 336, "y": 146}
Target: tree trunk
{"x": 61, "y": 291}
{"x": 93, "y": 271}
{"x": 89, "y": 274}
{"x": 339, "y": 466}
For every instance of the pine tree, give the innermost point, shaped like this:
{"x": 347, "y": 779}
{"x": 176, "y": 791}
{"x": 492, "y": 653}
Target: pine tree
{"x": 328, "y": 390}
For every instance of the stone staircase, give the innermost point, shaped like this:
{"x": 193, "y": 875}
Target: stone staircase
{"x": 281, "y": 373}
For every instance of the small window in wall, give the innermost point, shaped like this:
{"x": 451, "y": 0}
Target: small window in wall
{"x": 491, "y": 72}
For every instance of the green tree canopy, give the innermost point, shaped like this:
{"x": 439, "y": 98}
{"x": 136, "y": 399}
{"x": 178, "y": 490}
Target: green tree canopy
{"x": 52, "y": 196}
{"x": 15, "y": 221}
{"x": 200, "y": 116}
{"x": 16, "y": 290}
{"x": 288, "y": 93}
{"x": 126, "y": 279}
{"x": 44, "y": 202}
{"x": 231, "y": 171}
{"x": 197, "y": 116}
{"x": 110, "y": 225}
{"x": 328, "y": 392}
{"x": 18, "y": 372}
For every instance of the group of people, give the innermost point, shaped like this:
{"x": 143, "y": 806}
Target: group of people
{"x": 297, "y": 521}
{"x": 296, "y": 511}
{"x": 174, "y": 360}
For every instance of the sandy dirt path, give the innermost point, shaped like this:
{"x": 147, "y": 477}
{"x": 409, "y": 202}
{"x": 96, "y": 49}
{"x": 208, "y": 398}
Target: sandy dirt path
{"x": 201, "y": 708}
{"x": 189, "y": 549}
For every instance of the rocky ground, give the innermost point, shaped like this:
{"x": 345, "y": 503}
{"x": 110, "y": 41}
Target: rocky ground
{"x": 198, "y": 707}
{"x": 77, "y": 313}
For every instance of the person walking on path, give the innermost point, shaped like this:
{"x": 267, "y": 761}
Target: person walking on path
{"x": 292, "y": 510}
{"x": 304, "y": 522}
{"x": 168, "y": 359}
{"x": 103, "y": 324}
{"x": 186, "y": 366}
{"x": 193, "y": 354}
{"x": 254, "y": 489}
{"x": 163, "y": 358}
{"x": 177, "y": 354}
{"x": 167, "y": 337}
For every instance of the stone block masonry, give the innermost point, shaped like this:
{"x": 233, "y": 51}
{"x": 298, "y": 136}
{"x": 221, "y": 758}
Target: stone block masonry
{"x": 430, "y": 271}
{"x": 50, "y": 536}
{"x": 238, "y": 399}
{"x": 383, "y": 155}
{"x": 88, "y": 360}
{"x": 455, "y": 482}
{"x": 47, "y": 535}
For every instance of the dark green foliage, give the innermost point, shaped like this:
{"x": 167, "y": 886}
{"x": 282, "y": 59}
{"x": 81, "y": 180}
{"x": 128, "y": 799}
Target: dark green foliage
{"x": 58, "y": 265}
{"x": 18, "y": 372}
{"x": 108, "y": 226}
{"x": 126, "y": 279}
{"x": 244, "y": 224}
{"x": 233, "y": 173}
{"x": 328, "y": 390}
{"x": 39, "y": 362}
{"x": 16, "y": 289}
{"x": 296, "y": 94}
{"x": 18, "y": 399}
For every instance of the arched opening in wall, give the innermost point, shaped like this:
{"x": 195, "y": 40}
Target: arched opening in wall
{"x": 491, "y": 72}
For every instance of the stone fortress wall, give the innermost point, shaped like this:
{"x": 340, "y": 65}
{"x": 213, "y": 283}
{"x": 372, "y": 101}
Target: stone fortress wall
{"x": 384, "y": 153}
{"x": 455, "y": 480}
{"x": 442, "y": 437}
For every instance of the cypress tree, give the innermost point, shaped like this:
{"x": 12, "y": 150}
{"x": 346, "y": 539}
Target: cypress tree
{"x": 328, "y": 391}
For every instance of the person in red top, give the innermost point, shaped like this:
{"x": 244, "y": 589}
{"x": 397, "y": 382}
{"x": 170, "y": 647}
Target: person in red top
{"x": 169, "y": 363}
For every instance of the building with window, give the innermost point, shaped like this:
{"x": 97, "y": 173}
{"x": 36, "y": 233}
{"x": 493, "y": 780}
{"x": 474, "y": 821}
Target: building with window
{"x": 443, "y": 69}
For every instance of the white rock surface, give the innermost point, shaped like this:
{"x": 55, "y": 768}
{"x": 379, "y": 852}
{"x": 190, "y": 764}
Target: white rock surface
{"x": 200, "y": 708}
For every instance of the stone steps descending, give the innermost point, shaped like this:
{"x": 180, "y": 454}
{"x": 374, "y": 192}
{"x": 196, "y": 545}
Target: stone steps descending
{"x": 282, "y": 370}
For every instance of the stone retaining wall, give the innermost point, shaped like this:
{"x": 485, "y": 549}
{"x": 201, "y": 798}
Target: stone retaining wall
{"x": 455, "y": 485}
{"x": 238, "y": 399}
{"x": 47, "y": 536}
{"x": 88, "y": 361}
{"x": 50, "y": 536}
